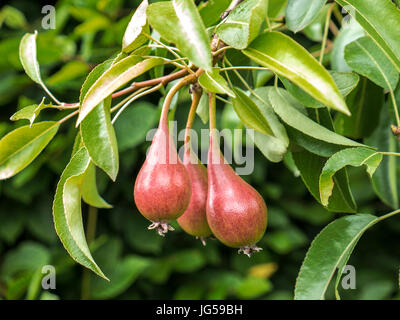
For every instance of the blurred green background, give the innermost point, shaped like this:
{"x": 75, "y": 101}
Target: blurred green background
{"x": 140, "y": 264}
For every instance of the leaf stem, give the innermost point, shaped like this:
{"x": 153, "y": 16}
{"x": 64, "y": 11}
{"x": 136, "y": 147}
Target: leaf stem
{"x": 196, "y": 95}
{"x": 388, "y": 215}
{"x": 135, "y": 97}
{"x": 396, "y": 110}
{"x": 244, "y": 68}
{"x": 326, "y": 29}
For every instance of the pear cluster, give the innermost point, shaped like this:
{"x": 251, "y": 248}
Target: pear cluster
{"x": 212, "y": 201}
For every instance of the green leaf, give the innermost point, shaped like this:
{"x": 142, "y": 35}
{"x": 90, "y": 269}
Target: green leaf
{"x": 210, "y": 11}
{"x": 385, "y": 178}
{"x": 382, "y": 24}
{"x": 349, "y": 157}
{"x": 21, "y": 146}
{"x": 252, "y": 287}
{"x": 27, "y": 56}
{"x": 134, "y": 123}
{"x": 365, "y": 104}
{"x": 366, "y": 58}
{"x": 67, "y": 211}
{"x": 30, "y": 112}
{"x": 280, "y": 102}
{"x": 179, "y": 22}
{"x": 300, "y": 13}
{"x": 243, "y": 23}
{"x": 327, "y": 252}
{"x": 283, "y": 55}
{"x": 133, "y": 37}
{"x": 315, "y": 30}
{"x": 345, "y": 81}
{"x": 249, "y": 112}
{"x": 310, "y": 166}
{"x": 70, "y": 71}
{"x": 120, "y": 73}
{"x": 349, "y": 32}
{"x": 99, "y": 138}
{"x": 202, "y": 108}
{"x": 214, "y": 82}
{"x": 89, "y": 190}
{"x": 272, "y": 147}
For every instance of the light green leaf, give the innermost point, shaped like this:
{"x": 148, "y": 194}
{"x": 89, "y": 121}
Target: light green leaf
{"x": 345, "y": 81}
{"x": 382, "y": 24}
{"x": 27, "y": 56}
{"x": 120, "y": 73}
{"x": 366, "y": 58}
{"x": 67, "y": 211}
{"x": 385, "y": 178}
{"x": 328, "y": 251}
{"x": 287, "y": 58}
{"x": 21, "y": 146}
{"x": 99, "y": 138}
{"x": 89, "y": 190}
{"x": 133, "y": 37}
{"x": 179, "y": 22}
{"x": 349, "y": 157}
{"x": 243, "y": 23}
{"x": 365, "y": 104}
{"x": 300, "y": 13}
{"x": 249, "y": 112}
{"x": 272, "y": 147}
{"x": 30, "y": 112}
{"x": 214, "y": 82}
{"x": 280, "y": 102}
{"x": 202, "y": 108}
{"x": 350, "y": 31}
{"x": 252, "y": 287}
{"x": 315, "y": 30}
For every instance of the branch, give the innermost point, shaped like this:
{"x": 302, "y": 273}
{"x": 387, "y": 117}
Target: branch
{"x": 163, "y": 80}
{"x": 232, "y": 6}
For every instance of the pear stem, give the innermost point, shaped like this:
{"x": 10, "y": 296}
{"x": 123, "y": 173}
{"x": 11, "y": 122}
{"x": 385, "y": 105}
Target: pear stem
{"x": 171, "y": 93}
{"x": 196, "y": 95}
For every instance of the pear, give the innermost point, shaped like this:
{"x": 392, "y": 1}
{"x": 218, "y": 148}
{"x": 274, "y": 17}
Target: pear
{"x": 236, "y": 212}
{"x": 163, "y": 188}
{"x": 194, "y": 219}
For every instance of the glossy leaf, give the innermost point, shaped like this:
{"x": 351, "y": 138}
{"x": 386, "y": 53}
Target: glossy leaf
{"x": 21, "y": 146}
{"x": 315, "y": 30}
{"x": 214, "y": 82}
{"x": 327, "y": 252}
{"x": 249, "y": 112}
{"x": 202, "y": 108}
{"x": 385, "y": 180}
{"x": 210, "y": 11}
{"x": 133, "y": 37}
{"x": 67, "y": 211}
{"x": 310, "y": 166}
{"x": 30, "y": 112}
{"x": 349, "y": 32}
{"x": 345, "y": 81}
{"x": 300, "y": 13}
{"x": 180, "y": 23}
{"x": 120, "y": 73}
{"x": 89, "y": 190}
{"x": 365, "y": 104}
{"x": 349, "y": 157}
{"x": 382, "y": 24}
{"x": 280, "y": 102}
{"x": 28, "y": 58}
{"x": 366, "y": 58}
{"x": 287, "y": 58}
{"x": 272, "y": 147}
{"x": 99, "y": 138}
{"x": 243, "y": 23}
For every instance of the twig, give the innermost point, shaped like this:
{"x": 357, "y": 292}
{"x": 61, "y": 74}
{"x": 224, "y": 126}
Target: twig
{"x": 232, "y": 6}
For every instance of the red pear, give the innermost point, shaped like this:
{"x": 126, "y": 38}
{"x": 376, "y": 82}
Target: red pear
{"x": 163, "y": 188}
{"x": 194, "y": 219}
{"x": 236, "y": 212}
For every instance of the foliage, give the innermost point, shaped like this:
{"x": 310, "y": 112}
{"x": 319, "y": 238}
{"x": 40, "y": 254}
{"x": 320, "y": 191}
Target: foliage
{"x": 321, "y": 91}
